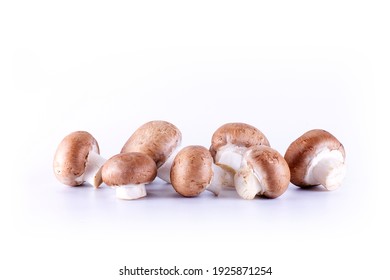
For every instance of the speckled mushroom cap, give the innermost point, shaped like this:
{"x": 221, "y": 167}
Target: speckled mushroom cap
{"x": 191, "y": 171}
{"x": 302, "y": 151}
{"x": 271, "y": 168}
{"x": 129, "y": 168}
{"x": 238, "y": 134}
{"x": 157, "y": 139}
{"x": 71, "y": 156}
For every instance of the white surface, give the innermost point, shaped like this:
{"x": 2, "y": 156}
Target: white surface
{"x": 109, "y": 67}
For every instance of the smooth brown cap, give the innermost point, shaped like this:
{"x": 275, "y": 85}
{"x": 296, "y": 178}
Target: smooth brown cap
{"x": 157, "y": 139}
{"x": 71, "y": 156}
{"x": 191, "y": 171}
{"x": 300, "y": 152}
{"x": 273, "y": 168}
{"x": 238, "y": 134}
{"x": 129, "y": 168}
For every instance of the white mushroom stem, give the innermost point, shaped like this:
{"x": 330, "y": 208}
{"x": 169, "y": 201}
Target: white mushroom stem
{"x": 130, "y": 191}
{"x": 92, "y": 174}
{"x": 327, "y": 169}
{"x": 221, "y": 178}
{"x": 230, "y": 157}
{"x": 330, "y": 173}
{"x": 164, "y": 172}
{"x": 247, "y": 183}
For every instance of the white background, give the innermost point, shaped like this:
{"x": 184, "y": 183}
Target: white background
{"x": 108, "y": 67}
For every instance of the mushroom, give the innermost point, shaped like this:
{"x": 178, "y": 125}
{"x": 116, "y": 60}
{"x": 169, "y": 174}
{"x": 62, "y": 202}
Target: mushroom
{"x": 128, "y": 173}
{"x": 193, "y": 171}
{"x": 77, "y": 160}
{"x": 231, "y": 140}
{"x": 263, "y": 172}
{"x": 316, "y": 158}
{"x": 158, "y": 139}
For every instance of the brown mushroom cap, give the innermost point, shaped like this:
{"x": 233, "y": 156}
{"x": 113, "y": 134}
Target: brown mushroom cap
{"x": 129, "y": 168}
{"x": 301, "y": 152}
{"x": 271, "y": 167}
{"x": 191, "y": 171}
{"x": 238, "y": 134}
{"x": 71, "y": 156}
{"x": 157, "y": 139}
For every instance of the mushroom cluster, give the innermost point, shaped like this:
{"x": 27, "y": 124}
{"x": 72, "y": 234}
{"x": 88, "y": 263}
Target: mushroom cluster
{"x": 240, "y": 157}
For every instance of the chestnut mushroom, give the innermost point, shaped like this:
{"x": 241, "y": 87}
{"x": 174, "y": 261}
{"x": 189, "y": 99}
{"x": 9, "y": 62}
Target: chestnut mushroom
{"x": 158, "y": 139}
{"x": 193, "y": 171}
{"x": 263, "y": 172}
{"x": 128, "y": 173}
{"x": 316, "y": 158}
{"x": 77, "y": 160}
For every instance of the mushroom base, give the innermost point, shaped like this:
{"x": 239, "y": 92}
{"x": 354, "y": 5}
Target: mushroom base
{"x": 221, "y": 178}
{"x": 164, "y": 172}
{"x": 330, "y": 173}
{"x": 130, "y": 191}
{"x": 92, "y": 173}
{"x": 327, "y": 169}
{"x": 247, "y": 184}
{"x": 229, "y": 157}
